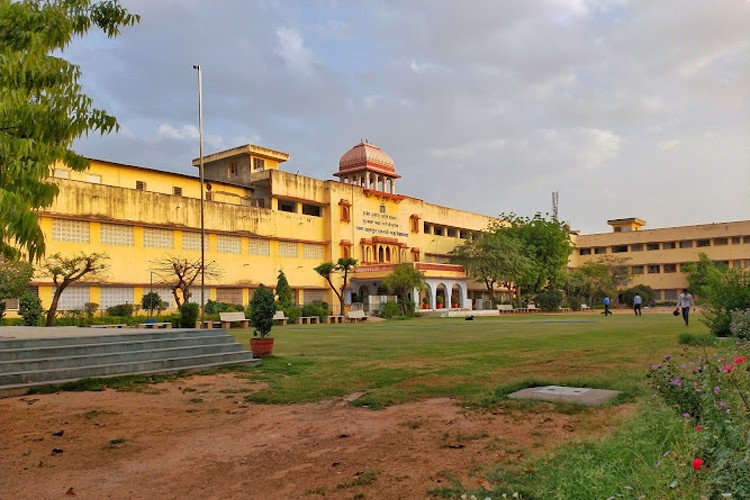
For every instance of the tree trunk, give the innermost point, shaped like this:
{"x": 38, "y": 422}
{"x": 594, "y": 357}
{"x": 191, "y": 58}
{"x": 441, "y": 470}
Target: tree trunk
{"x": 53, "y": 306}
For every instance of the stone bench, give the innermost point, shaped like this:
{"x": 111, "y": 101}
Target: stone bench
{"x": 504, "y": 308}
{"x": 333, "y": 319}
{"x": 227, "y": 318}
{"x": 566, "y": 310}
{"x": 118, "y": 325}
{"x": 207, "y": 324}
{"x": 280, "y": 317}
{"x": 156, "y": 324}
{"x": 308, "y": 320}
{"x": 353, "y": 316}
{"x": 585, "y": 307}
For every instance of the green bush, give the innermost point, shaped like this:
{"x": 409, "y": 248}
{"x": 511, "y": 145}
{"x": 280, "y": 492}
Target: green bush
{"x": 125, "y": 310}
{"x": 151, "y": 301}
{"x": 30, "y": 307}
{"x": 575, "y": 303}
{"x": 730, "y": 293}
{"x": 549, "y": 300}
{"x": 315, "y": 308}
{"x": 215, "y": 307}
{"x": 646, "y": 292}
{"x": 262, "y": 310}
{"x": 740, "y": 325}
{"x": 189, "y": 313}
{"x": 89, "y": 308}
{"x": 390, "y": 310}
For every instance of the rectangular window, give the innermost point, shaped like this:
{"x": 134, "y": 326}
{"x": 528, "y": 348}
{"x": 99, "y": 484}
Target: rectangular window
{"x": 670, "y": 268}
{"x": 670, "y": 294}
{"x": 637, "y": 247}
{"x": 722, "y": 264}
{"x": 720, "y": 242}
{"x": 653, "y": 269}
{"x": 61, "y": 173}
{"x": 10, "y": 304}
{"x": 73, "y": 298}
{"x": 652, "y": 246}
{"x": 176, "y": 190}
{"x": 584, "y": 251}
{"x": 287, "y": 206}
{"x": 313, "y": 210}
{"x": 158, "y": 238}
{"x": 313, "y": 295}
{"x": 113, "y": 234}
{"x": 192, "y": 241}
{"x": 669, "y": 245}
{"x": 736, "y": 240}
{"x": 703, "y": 243}
{"x": 259, "y": 164}
{"x": 228, "y": 244}
{"x": 114, "y": 296}
{"x": 636, "y": 269}
{"x": 600, "y": 250}
{"x": 439, "y": 230}
{"x": 140, "y": 185}
{"x": 234, "y": 169}
{"x": 259, "y": 246}
{"x": 426, "y": 229}
{"x": 312, "y": 251}
{"x": 229, "y": 295}
{"x": 75, "y": 231}
{"x": 619, "y": 249}
{"x": 452, "y": 233}
{"x": 94, "y": 178}
{"x": 746, "y": 239}
{"x": 288, "y": 249}
{"x": 737, "y": 264}
{"x": 686, "y": 244}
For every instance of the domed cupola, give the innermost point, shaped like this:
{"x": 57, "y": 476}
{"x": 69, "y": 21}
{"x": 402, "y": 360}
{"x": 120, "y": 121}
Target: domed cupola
{"x": 368, "y": 166}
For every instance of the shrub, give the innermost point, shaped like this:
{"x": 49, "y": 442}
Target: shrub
{"x": 646, "y": 292}
{"x": 189, "y": 313}
{"x": 390, "y": 310}
{"x": 711, "y": 392}
{"x": 730, "y": 293}
{"x": 262, "y": 310}
{"x": 30, "y": 307}
{"x": 549, "y": 300}
{"x": 89, "y": 308}
{"x": 575, "y": 303}
{"x": 315, "y": 308}
{"x": 215, "y": 307}
{"x": 125, "y": 310}
{"x": 740, "y": 325}
{"x": 150, "y": 301}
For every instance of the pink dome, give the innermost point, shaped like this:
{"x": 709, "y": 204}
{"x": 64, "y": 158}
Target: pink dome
{"x": 365, "y": 155}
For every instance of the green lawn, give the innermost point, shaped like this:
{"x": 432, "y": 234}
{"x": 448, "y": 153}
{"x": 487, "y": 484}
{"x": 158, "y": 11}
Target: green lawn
{"x": 475, "y": 361}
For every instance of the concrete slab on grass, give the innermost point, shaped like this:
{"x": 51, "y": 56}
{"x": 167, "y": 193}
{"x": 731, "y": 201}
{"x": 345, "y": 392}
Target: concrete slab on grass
{"x": 579, "y": 395}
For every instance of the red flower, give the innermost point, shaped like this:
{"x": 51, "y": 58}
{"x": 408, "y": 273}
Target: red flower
{"x": 699, "y": 427}
{"x": 728, "y": 368}
{"x": 697, "y": 463}
{"x": 740, "y": 359}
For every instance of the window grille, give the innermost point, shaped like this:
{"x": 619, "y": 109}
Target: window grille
{"x": 112, "y": 234}
{"x": 228, "y": 244}
{"x": 260, "y": 246}
{"x": 288, "y": 249}
{"x": 158, "y": 238}
{"x": 192, "y": 241}
{"x": 114, "y": 296}
{"x": 312, "y": 251}
{"x": 70, "y": 230}
{"x": 312, "y": 295}
{"x": 73, "y": 298}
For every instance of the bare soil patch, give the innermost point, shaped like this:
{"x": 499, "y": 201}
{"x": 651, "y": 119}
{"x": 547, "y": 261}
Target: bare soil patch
{"x": 197, "y": 438}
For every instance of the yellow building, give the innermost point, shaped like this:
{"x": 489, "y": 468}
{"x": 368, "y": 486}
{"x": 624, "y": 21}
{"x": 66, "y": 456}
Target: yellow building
{"x": 656, "y": 257}
{"x": 258, "y": 220}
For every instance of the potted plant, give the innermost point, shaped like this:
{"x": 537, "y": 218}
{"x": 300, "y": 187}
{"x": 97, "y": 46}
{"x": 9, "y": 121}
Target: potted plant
{"x": 262, "y": 310}
{"x": 440, "y": 301}
{"x": 425, "y": 303}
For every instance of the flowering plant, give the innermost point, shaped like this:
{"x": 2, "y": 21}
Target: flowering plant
{"x": 713, "y": 392}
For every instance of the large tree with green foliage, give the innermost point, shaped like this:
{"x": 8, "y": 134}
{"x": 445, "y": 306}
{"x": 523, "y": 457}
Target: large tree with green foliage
{"x": 67, "y": 270}
{"x": 14, "y": 280}
{"x": 343, "y": 267}
{"x": 589, "y": 282}
{"x": 42, "y": 107}
{"x": 546, "y": 241}
{"x": 404, "y": 279}
{"x": 495, "y": 258}
{"x": 703, "y": 275}
{"x": 283, "y": 290}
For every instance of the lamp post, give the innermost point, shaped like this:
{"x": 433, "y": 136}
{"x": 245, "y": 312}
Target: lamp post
{"x": 200, "y": 173}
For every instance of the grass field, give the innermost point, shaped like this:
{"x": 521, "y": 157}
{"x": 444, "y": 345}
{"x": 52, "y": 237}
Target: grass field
{"x": 479, "y": 362}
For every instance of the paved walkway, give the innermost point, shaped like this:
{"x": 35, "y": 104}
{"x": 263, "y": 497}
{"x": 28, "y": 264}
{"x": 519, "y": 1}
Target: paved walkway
{"x": 54, "y": 332}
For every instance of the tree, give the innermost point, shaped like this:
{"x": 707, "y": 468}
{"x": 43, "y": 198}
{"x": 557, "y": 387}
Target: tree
{"x": 283, "y": 290}
{"x": 42, "y": 107}
{"x": 703, "y": 275}
{"x": 495, "y": 258}
{"x": 403, "y": 280}
{"x": 14, "y": 279}
{"x": 150, "y": 302}
{"x": 262, "y": 310}
{"x": 30, "y": 309}
{"x": 182, "y": 274}
{"x": 343, "y": 266}
{"x": 546, "y": 241}
{"x": 67, "y": 270}
{"x": 589, "y": 282}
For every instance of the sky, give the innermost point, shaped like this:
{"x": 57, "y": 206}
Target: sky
{"x": 625, "y": 108}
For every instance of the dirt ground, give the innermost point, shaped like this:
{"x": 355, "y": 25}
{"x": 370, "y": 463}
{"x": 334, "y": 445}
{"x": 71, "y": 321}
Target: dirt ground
{"x": 197, "y": 438}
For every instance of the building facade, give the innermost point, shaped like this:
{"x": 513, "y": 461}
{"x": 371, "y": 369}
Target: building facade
{"x": 260, "y": 220}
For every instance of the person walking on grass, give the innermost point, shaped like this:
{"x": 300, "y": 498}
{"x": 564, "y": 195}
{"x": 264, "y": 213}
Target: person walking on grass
{"x": 684, "y": 303}
{"x": 637, "y": 300}
{"x": 606, "y": 301}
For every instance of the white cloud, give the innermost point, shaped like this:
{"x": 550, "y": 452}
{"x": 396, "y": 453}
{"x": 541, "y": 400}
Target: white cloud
{"x": 167, "y": 131}
{"x": 292, "y": 50}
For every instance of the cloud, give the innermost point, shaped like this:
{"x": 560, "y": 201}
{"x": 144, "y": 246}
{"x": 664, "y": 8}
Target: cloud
{"x": 292, "y": 50}
{"x": 167, "y": 131}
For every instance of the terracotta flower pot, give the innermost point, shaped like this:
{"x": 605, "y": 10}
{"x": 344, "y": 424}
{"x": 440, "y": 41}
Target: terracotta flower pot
{"x": 261, "y": 346}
